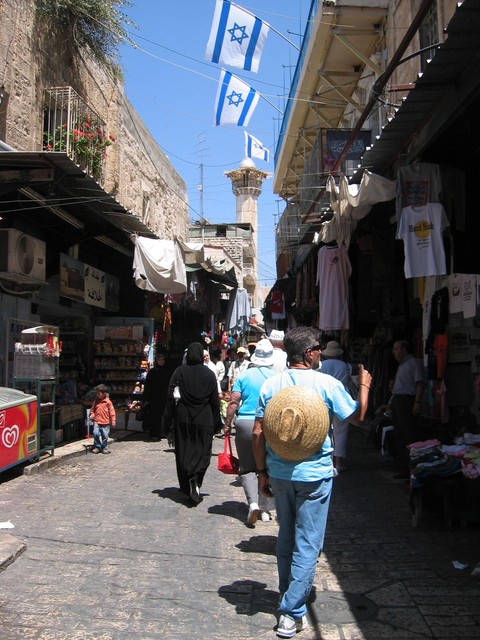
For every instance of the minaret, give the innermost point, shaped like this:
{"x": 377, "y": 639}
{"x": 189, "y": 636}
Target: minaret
{"x": 247, "y": 183}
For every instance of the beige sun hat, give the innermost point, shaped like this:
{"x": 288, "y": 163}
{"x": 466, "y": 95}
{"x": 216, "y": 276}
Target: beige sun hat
{"x": 296, "y": 423}
{"x": 332, "y": 350}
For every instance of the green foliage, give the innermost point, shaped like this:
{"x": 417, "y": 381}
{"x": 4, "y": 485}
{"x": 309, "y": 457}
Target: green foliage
{"x": 99, "y": 25}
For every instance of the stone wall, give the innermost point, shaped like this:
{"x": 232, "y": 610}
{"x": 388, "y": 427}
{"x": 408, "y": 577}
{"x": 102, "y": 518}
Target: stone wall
{"x": 400, "y": 15}
{"x": 137, "y": 172}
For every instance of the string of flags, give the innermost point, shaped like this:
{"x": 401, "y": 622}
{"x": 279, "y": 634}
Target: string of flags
{"x": 235, "y": 101}
{"x": 237, "y": 38}
{"x": 255, "y": 149}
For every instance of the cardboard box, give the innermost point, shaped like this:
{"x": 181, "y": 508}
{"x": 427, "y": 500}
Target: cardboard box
{"x": 47, "y": 437}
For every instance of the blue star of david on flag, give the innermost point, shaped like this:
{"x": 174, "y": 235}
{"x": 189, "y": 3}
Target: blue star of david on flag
{"x": 235, "y": 101}
{"x": 236, "y": 38}
{"x": 239, "y": 38}
{"x": 235, "y": 98}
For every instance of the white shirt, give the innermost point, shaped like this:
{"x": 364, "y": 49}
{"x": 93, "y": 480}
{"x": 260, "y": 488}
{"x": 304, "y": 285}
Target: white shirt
{"x": 421, "y": 229}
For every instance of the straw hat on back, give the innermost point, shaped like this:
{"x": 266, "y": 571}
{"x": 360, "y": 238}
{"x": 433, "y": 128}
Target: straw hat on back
{"x": 296, "y": 423}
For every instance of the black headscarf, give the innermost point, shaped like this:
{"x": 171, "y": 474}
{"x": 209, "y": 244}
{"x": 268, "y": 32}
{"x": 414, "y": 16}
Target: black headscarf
{"x": 196, "y": 381}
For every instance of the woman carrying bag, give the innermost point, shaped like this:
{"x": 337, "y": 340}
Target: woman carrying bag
{"x": 244, "y": 397}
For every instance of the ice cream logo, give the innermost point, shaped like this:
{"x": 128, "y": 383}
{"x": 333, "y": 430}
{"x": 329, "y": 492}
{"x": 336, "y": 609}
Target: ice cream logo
{"x": 10, "y": 436}
{"x": 422, "y": 229}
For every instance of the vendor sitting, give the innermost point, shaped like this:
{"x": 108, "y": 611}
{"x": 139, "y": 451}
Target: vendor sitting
{"x": 86, "y": 393}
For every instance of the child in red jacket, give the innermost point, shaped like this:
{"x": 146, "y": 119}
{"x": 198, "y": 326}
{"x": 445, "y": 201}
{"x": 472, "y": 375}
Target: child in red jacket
{"x": 103, "y": 416}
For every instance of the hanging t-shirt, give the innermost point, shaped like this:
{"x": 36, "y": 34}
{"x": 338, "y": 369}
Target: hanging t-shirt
{"x": 333, "y": 272}
{"x": 417, "y": 185}
{"x": 421, "y": 228}
{"x": 469, "y": 296}
{"x": 455, "y": 288}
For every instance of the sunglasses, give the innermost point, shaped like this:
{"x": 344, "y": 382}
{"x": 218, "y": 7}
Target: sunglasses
{"x": 314, "y": 347}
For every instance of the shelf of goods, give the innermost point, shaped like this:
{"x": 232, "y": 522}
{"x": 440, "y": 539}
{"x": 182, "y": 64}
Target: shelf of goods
{"x": 122, "y": 365}
{"x": 73, "y": 337}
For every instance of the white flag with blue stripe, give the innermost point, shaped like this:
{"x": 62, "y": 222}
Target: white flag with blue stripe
{"x": 236, "y": 38}
{"x": 255, "y": 149}
{"x": 235, "y": 102}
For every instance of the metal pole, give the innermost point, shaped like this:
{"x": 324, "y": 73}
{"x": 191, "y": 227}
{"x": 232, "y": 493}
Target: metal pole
{"x": 383, "y": 79}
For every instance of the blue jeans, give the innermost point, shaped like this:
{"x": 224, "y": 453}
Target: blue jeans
{"x": 302, "y": 510}
{"x": 100, "y": 435}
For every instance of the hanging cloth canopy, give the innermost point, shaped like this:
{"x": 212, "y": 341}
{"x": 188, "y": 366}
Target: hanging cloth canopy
{"x": 159, "y": 265}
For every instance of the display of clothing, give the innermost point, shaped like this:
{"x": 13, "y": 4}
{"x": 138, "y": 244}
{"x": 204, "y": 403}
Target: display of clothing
{"x": 239, "y": 311}
{"x": 421, "y": 229}
{"x": 277, "y": 305}
{"x": 469, "y": 296}
{"x": 333, "y": 271}
{"x": 455, "y": 286}
{"x": 418, "y": 184}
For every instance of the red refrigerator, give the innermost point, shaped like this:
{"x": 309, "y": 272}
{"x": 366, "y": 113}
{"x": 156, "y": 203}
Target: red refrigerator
{"x": 18, "y": 427}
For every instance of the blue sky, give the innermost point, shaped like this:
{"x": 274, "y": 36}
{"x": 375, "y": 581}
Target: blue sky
{"x": 173, "y": 89}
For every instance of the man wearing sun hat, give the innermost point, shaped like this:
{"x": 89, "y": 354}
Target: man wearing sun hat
{"x": 280, "y": 357}
{"x": 334, "y": 365}
{"x": 292, "y": 445}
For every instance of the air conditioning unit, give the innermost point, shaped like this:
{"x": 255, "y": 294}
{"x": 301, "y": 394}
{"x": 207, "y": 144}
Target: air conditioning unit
{"x": 22, "y": 257}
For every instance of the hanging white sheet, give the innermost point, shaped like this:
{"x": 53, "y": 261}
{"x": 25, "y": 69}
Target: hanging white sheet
{"x": 159, "y": 265}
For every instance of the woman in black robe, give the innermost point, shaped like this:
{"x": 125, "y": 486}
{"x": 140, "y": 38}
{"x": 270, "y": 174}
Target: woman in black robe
{"x": 196, "y": 417}
{"x": 155, "y": 396}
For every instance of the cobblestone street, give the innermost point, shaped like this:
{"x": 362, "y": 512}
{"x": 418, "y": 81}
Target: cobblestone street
{"x": 114, "y": 553}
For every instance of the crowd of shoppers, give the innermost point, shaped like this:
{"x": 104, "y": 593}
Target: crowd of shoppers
{"x": 281, "y": 407}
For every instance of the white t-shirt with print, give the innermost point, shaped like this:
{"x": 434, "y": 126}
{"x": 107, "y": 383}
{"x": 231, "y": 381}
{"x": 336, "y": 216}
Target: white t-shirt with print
{"x": 421, "y": 229}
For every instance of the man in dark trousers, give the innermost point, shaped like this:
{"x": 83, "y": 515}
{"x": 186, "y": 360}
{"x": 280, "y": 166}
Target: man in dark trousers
{"x": 407, "y": 394}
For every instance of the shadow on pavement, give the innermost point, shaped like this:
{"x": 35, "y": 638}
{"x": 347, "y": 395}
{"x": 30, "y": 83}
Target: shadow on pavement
{"x": 231, "y": 509}
{"x": 249, "y": 597}
{"x": 174, "y": 494}
{"x": 259, "y": 544}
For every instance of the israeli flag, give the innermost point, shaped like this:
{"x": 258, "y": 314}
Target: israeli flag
{"x": 255, "y": 149}
{"x": 236, "y": 37}
{"x": 235, "y": 102}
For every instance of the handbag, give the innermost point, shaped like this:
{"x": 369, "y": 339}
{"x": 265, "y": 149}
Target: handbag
{"x": 226, "y": 461}
{"x": 176, "y": 394}
{"x": 142, "y": 413}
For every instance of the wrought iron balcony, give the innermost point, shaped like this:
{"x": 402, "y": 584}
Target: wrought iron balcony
{"x": 71, "y": 126}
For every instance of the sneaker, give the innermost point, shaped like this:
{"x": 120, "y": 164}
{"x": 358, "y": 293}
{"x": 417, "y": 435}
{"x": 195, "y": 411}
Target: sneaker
{"x": 288, "y": 627}
{"x": 194, "y": 490}
{"x": 301, "y": 623}
{"x": 105, "y": 450}
{"x": 265, "y": 516}
{"x": 253, "y": 512}
{"x": 95, "y": 450}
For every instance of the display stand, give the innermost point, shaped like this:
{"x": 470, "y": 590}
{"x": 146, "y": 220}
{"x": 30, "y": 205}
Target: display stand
{"x": 123, "y": 354}
{"x": 42, "y": 388}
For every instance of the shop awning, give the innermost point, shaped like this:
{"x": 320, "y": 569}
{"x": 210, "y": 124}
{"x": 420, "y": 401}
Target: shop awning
{"x": 331, "y": 62}
{"x": 54, "y": 181}
{"x": 447, "y": 86}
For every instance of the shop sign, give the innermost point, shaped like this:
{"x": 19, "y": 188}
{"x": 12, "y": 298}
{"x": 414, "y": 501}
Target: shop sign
{"x": 84, "y": 283}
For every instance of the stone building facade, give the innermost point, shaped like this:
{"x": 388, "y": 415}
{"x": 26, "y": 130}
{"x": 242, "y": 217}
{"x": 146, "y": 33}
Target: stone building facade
{"x": 137, "y": 172}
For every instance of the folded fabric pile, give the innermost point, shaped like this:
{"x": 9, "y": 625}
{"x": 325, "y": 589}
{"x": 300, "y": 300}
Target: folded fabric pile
{"x": 423, "y": 451}
{"x": 467, "y": 450}
{"x": 439, "y": 467}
